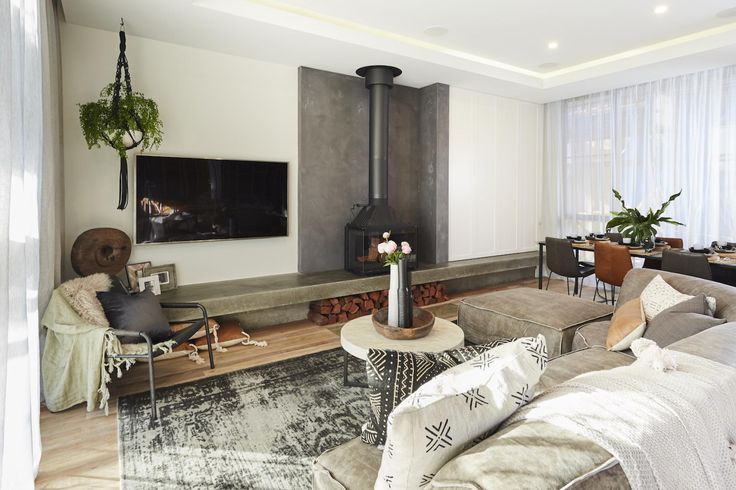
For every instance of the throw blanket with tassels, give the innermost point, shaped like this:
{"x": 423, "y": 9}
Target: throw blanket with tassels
{"x": 669, "y": 418}
{"x": 74, "y": 366}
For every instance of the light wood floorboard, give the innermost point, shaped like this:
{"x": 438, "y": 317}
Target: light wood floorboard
{"x": 80, "y": 448}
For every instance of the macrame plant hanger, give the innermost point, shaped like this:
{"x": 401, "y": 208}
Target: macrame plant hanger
{"x": 122, "y": 119}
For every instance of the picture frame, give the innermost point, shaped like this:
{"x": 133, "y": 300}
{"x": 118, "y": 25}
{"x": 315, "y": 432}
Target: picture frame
{"x": 166, "y": 275}
{"x": 150, "y": 282}
{"x": 134, "y": 271}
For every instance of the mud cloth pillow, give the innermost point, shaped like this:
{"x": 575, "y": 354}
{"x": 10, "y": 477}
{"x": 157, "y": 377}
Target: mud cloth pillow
{"x": 137, "y": 312}
{"x": 394, "y": 375}
{"x": 447, "y": 414}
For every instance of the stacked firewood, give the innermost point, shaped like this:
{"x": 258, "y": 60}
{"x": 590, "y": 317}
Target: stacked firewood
{"x": 345, "y": 308}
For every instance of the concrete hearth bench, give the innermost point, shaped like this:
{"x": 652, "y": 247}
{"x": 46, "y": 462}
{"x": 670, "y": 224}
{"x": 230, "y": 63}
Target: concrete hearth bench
{"x": 525, "y": 312}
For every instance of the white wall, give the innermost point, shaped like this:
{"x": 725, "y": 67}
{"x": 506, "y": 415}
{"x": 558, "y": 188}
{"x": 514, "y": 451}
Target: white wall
{"x": 495, "y": 174}
{"x": 212, "y": 105}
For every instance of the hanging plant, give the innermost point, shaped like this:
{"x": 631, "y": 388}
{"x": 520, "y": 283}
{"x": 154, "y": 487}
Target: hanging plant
{"x": 100, "y": 125}
{"x": 121, "y": 119}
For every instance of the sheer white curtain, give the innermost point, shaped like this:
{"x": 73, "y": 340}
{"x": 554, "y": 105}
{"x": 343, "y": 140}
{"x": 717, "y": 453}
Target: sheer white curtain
{"x": 648, "y": 141}
{"x": 29, "y": 157}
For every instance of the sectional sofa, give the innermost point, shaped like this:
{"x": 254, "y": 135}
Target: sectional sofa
{"x": 536, "y": 454}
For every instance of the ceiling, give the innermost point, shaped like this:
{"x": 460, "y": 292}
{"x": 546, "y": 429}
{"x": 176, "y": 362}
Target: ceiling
{"x": 494, "y": 46}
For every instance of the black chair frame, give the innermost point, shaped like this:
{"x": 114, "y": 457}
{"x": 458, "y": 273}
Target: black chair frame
{"x": 178, "y": 338}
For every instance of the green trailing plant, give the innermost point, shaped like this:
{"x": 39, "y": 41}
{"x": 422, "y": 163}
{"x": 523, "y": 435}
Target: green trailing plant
{"x": 137, "y": 118}
{"x": 641, "y": 228}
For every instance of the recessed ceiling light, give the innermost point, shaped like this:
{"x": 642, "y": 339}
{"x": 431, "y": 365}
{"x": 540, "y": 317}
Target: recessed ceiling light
{"x": 435, "y": 31}
{"x": 553, "y": 45}
{"x": 661, "y": 9}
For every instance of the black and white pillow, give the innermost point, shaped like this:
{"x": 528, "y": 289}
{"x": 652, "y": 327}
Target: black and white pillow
{"x": 394, "y": 375}
{"x": 446, "y": 415}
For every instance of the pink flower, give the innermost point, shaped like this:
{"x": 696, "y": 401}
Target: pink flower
{"x": 386, "y": 234}
{"x": 391, "y": 247}
{"x": 382, "y": 248}
{"x": 405, "y": 248}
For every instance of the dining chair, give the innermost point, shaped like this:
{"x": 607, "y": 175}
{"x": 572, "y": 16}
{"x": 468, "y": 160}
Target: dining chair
{"x": 615, "y": 237}
{"x": 687, "y": 263}
{"x": 561, "y": 260}
{"x": 675, "y": 243}
{"x": 612, "y": 262}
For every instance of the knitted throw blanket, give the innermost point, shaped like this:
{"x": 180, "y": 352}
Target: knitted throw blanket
{"x": 668, "y": 429}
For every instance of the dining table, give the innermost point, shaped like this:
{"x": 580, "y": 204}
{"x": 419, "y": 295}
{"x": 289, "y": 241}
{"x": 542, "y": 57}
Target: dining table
{"x": 723, "y": 265}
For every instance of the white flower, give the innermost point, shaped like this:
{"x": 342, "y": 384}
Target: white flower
{"x": 386, "y": 234}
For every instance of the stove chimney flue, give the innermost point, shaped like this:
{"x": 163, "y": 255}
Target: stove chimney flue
{"x": 378, "y": 80}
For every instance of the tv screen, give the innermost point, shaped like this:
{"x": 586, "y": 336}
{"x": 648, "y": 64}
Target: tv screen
{"x": 190, "y": 199}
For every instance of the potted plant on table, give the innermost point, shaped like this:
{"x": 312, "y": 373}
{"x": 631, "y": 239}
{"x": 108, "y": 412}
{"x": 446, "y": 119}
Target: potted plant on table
{"x": 400, "y": 301}
{"x": 639, "y": 227}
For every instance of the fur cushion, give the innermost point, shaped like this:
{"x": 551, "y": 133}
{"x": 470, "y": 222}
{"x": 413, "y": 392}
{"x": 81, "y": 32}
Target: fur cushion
{"x": 81, "y": 294}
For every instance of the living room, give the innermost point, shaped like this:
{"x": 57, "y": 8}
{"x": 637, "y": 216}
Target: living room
{"x": 307, "y": 243}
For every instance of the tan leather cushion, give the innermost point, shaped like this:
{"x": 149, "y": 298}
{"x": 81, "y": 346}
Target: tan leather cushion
{"x": 628, "y": 324}
{"x": 175, "y": 327}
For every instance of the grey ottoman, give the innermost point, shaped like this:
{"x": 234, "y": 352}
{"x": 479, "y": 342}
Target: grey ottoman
{"x": 524, "y": 312}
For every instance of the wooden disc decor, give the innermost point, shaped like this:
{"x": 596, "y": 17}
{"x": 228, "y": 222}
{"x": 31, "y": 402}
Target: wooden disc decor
{"x": 422, "y": 324}
{"x": 100, "y": 250}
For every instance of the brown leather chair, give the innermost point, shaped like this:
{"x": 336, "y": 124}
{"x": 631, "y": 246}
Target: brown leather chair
{"x": 612, "y": 262}
{"x": 675, "y": 243}
{"x": 672, "y": 242}
{"x": 562, "y": 261}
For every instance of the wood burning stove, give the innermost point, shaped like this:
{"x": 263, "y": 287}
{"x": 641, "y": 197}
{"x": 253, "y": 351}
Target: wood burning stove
{"x": 364, "y": 233}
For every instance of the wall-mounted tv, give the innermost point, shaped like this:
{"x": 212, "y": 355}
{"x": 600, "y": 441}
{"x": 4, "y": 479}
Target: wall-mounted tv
{"x": 190, "y": 199}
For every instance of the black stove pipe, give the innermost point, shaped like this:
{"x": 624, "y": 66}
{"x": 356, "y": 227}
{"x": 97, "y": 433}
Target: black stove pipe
{"x": 378, "y": 80}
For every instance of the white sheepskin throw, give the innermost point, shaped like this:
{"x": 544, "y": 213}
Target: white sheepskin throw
{"x": 81, "y": 294}
{"x": 651, "y": 355}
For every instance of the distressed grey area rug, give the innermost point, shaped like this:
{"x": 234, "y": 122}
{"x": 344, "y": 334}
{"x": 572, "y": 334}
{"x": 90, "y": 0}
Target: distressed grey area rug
{"x": 258, "y": 428}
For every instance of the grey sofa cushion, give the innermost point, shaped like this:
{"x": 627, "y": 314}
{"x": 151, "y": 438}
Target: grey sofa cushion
{"x": 530, "y": 455}
{"x": 567, "y": 366}
{"x": 591, "y": 335}
{"x": 352, "y": 466}
{"x": 681, "y": 321}
{"x": 717, "y": 344}
{"x": 637, "y": 279}
{"x": 527, "y": 312}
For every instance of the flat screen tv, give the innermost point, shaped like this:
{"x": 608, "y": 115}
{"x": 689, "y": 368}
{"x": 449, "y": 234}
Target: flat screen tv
{"x": 191, "y": 199}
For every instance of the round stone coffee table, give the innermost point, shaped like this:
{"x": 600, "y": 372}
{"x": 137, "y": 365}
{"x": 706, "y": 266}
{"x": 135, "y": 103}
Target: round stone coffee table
{"x": 357, "y": 336}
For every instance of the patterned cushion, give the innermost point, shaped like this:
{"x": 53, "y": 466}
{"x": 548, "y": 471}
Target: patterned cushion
{"x": 658, "y": 296}
{"x": 452, "y": 411}
{"x": 393, "y": 376}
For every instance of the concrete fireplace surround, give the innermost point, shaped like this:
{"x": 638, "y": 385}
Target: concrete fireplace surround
{"x": 333, "y": 176}
{"x": 333, "y": 164}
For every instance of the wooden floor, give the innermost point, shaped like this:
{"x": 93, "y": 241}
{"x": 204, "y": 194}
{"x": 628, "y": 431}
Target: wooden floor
{"x": 80, "y": 449}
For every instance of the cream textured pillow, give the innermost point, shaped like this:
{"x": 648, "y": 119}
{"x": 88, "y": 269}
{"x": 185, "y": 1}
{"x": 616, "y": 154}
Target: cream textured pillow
{"x": 627, "y": 325}
{"x": 449, "y": 412}
{"x": 658, "y": 296}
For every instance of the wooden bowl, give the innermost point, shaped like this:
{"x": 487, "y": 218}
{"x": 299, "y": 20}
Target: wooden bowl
{"x": 422, "y": 324}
